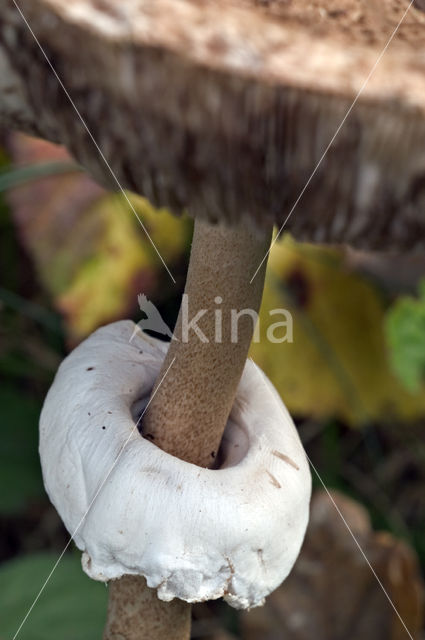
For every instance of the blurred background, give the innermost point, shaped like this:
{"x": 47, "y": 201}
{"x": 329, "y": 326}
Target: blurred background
{"x": 72, "y": 258}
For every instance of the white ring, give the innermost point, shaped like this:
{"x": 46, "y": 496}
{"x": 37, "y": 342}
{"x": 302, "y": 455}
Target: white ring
{"x": 195, "y": 534}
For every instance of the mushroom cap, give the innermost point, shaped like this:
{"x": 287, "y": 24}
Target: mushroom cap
{"x": 194, "y": 533}
{"x": 225, "y": 108}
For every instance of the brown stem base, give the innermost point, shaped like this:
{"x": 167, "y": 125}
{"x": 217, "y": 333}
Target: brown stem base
{"x": 136, "y": 613}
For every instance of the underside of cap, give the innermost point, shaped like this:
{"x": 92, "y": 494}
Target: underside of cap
{"x": 226, "y": 108}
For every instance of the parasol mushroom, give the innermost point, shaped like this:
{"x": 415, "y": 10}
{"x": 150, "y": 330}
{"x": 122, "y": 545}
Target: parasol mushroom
{"x": 216, "y": 108}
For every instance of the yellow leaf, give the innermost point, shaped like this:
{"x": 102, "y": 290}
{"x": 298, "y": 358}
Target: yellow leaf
{"x": 123, "y": 261}
{"x": 337, "y": 364}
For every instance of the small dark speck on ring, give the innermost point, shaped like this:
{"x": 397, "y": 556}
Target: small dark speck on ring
{"x": 89, "y": 368}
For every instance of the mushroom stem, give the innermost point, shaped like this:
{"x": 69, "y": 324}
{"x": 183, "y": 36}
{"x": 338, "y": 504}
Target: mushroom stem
{"x": 189, "y": 411}
{"x": 136, "y": 613}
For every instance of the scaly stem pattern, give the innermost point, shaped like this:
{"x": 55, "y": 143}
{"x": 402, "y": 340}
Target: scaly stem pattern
{"x": 189, "y": 411}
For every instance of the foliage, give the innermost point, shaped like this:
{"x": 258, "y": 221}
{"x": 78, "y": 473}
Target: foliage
{"x": 93, "y": 251}
{"x": 337, "y": 364}
{"x": 405, "y": 330}
{"x": 19, "y": 465}
{"x": 15, "y": 177}
{"x": 120, "y": 261}
{"x": 71, "y": 606}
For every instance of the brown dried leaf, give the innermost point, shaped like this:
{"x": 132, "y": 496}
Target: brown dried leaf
{"x": 332, "y": 593}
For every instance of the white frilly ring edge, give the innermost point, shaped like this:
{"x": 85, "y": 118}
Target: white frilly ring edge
{"x": 195, "y": 534}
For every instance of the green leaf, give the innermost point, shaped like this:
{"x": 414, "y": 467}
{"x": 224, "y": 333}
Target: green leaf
{"x": 405, "y": 331}
{"x": 20, "y": 473}
{"x": 71, "y": 607}
{"x": 11, "y": 178}
{"x": 337, "y": 365}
